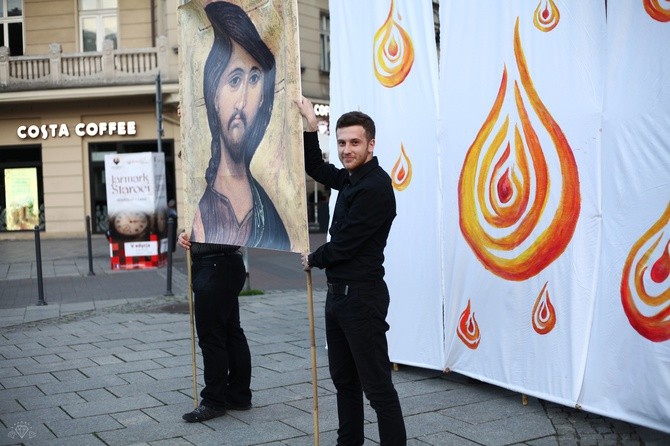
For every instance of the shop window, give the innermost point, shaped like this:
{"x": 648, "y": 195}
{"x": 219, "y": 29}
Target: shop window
{"x": 11, "y": 26}
{"x": 97, "y": 152}
{"x": 21, "y": 191}
{"x": 98, "y": 21}
{"x": 325, "y": 43}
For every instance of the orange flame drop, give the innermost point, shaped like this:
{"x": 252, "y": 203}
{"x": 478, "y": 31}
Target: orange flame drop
{"x": 656, "y": 11}
{"x": 509, "y": 188}
{"x": 545, "y": 19}
{"x": 393, "y": 52}
{"x": 401, "y": 174}
{"x": 646, "y": 297}
{"x": 544, "y": 315}
{"x": 468, "y": 329}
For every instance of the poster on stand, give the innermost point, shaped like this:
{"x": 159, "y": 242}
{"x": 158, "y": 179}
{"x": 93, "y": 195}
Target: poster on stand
{"x": 22, "y": 199}
{"x": 137, "y": 209}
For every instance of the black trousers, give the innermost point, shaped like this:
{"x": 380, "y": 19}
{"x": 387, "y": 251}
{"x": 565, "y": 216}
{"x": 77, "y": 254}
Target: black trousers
{"x": 217, "y": 282}
{"x": 358, "y": 361}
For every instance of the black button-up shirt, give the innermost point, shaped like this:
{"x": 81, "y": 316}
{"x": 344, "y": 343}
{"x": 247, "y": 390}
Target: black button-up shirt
{"x": 362, "y": 218}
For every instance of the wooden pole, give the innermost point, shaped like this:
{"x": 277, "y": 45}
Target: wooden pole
{"x": 315, "y": 393}
{"x": 192, "y": 322}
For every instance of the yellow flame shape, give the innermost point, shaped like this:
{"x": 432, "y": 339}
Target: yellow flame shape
{"x": 393, "y": 52}
{"x": 499, "y": 192}
{"x": 401, "y": 174}
{"x": 545, "y": 19}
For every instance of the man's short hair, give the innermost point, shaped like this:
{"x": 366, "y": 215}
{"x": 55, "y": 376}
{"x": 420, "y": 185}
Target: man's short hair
{"x": 357, "y": 118}
{"x": 230, "y": 22}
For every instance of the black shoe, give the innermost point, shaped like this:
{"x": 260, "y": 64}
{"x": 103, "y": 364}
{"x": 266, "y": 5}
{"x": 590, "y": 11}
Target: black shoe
{"x": 231, "y": 406}
{"x": 203, "y": 413}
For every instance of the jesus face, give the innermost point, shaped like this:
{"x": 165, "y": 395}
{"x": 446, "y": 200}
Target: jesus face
{"x": 238, "y": 99}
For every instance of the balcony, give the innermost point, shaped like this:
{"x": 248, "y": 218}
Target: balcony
{"x": 108, "y": 67}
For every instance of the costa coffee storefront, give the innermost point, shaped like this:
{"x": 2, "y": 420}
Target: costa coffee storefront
{"x": 52, "y": 155}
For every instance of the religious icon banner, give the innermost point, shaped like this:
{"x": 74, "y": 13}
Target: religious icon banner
{"x": 241, "y": 133}
{"x": 385, "y": 64}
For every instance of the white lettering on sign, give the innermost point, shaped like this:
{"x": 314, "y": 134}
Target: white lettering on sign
{"x": 321, "y": 110}
{"x": 44, "y": 131}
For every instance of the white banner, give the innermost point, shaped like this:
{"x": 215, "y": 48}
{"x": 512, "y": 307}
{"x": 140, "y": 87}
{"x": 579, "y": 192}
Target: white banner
{"x": 521, "y": 194}
{"x": 628, "y": 368}
{"x": 542, "y": 220}
{"x": 385, "y": 65}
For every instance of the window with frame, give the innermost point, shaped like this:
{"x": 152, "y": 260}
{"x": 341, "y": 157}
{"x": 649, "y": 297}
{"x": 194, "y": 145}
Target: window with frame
{"x": 98, "y": 21}
{"x": 11, "y": 26}
{"x": 325, "y": 42}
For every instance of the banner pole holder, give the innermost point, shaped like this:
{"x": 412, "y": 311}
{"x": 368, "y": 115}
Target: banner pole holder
{"x": 315, "y": 392}
{"x": 192, "y": 324}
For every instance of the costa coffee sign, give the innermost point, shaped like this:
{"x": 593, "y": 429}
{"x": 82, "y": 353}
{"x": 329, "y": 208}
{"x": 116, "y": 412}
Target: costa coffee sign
{"x": 44, "y": 131}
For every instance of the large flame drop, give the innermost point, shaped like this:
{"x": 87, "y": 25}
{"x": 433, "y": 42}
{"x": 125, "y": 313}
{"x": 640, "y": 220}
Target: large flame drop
{"x": 505, "y": 186}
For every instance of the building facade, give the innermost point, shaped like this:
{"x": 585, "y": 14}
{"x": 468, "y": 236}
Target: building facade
{"x": 83, "y": 78}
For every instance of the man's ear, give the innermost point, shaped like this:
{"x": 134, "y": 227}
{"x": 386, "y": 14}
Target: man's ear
{"x": 371, "y": 145}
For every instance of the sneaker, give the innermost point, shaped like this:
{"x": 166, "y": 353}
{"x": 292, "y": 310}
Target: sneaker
{"x": 203, "y": 413}
{"x": 231, "y": 406}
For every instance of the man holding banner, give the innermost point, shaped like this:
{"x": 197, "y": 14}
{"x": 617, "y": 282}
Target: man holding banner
{"x": 358, "y": 299}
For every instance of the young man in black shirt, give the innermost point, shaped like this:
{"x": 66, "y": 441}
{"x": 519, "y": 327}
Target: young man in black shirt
{"x": 358, "y": 299}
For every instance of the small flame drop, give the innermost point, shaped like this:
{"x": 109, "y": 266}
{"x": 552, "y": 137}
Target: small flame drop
{"x": 401, "y": 174}
{"x": 468, "y": 329}
{"x": 545, "y": 19}
{"x": 544, "y": 315}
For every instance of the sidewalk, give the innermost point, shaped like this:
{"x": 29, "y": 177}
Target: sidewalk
{"x": 109, "y": 362}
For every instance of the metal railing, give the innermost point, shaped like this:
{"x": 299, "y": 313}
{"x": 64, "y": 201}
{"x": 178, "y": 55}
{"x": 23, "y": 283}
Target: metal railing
{"x": 88, "y": 69}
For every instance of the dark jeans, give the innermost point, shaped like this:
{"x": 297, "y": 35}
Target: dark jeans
{"x": 358, "y": 361}
{"x": 217, "y": 282}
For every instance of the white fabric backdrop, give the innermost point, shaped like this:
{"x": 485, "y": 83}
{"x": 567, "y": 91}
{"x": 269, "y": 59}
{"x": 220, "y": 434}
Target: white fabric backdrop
{"x": 592, "y": 162}
{"x": 628, "y": 374}
{"x": 567, "y": 58}
{"x": 405, "y": 116}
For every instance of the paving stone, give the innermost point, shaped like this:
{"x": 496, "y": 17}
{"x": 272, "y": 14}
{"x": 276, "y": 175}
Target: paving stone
{"x": 88, "y": 425}
{"x": 27, "y": 380}
{"x": 96, "y": 395}
{"x": 257, "y": 434}
{"x": 47, "y": 401}
{"x": 79, "y": 384}
{"x": 113, "y": 369}
{"x": 110, "y": 406}
{"x": 132, "y": 417}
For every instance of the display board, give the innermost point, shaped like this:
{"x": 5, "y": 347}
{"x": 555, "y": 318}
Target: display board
{"x": 137, "y": 209}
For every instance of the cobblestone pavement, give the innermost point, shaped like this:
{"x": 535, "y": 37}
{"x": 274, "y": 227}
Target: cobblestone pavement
{"x": 119, "y": 371}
